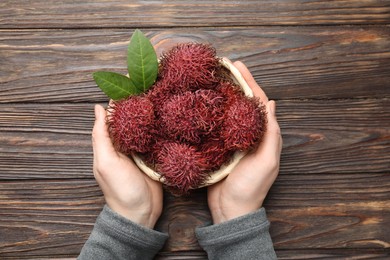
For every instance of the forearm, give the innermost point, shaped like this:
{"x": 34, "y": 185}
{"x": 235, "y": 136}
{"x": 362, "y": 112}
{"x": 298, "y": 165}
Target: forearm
{"x": 245, "y": 237}
{"x": 115, "y": 237}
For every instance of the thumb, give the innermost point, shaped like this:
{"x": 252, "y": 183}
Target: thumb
{"x": 272, "y": 140}
{"x": 101, "y": 141}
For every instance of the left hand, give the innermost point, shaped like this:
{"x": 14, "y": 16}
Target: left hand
{"x": 127, "y": 190}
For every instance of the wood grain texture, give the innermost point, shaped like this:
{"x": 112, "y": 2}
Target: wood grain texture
{"x": 342, "y": 136}
{"x": 47, "y": 218}
{"x": 335, "y": 136}
{"x": 338, "y": 205}
{"x": 334, "y": 254}
{"x": 55, "y": 217}
{"x": 103, "y": 14}
{"x": 299, "y": 62}
{"x": 354, "y": 254}
{"x": 325, "y": 62}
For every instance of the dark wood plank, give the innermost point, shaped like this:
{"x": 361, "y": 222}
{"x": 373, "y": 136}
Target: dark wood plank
{"x": 298, "y": 62}
{"x": 303, "y": 208}
{"x": 100, "y": 14}
{"x": 334, "y": 254}
{"x": 342, "y": 136}
{"x": 335, "y": 136}
{"x": 53, "y": 141}
{"x": 182, "y": 255}
{"x": 46, "y": 218}
{"x": 49, "y": 141}
{"x": 45, "y": 156}
{"x": 53, "y": 218}
{"x": 353, "y": 254}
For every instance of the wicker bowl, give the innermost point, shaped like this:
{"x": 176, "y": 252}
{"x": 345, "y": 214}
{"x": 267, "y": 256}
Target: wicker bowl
{"x": 220, "y": 174}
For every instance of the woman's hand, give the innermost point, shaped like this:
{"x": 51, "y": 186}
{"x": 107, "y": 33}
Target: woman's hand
{"x": 126, "y": 189}
{"x": 246, "y": 187}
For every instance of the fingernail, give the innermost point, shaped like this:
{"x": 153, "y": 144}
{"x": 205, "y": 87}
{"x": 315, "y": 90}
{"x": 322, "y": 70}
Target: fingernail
{"x": 272, "y": 107}
{"x": 96, "y": 112}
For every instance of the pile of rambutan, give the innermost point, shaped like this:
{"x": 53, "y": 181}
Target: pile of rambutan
{"x": 191, "y": 121}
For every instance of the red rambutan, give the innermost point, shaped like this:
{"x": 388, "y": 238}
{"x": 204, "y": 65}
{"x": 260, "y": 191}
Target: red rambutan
{"x": 244, "y": 124}
{"x": 131, "y": 124}
{"x": 209, "y": 105}
{"x": 190, "y": 66}
{"x": 178, "y": 118}
{"x": 230, "y": 92}
{"x": 158, "y": 94}
{"x": 191, "y": 115}
{"x": 182, "y": 166}
{"x": 215, "y": 154}
{"x": 151, "y": 157}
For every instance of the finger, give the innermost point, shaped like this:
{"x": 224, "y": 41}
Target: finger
{"x": 101, "y": 141}
{"x": 272, "y": 140}
{"x": 257, "y": 91}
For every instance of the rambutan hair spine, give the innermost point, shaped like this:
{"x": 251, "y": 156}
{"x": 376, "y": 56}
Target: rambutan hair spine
{"x": 220, "y": 174}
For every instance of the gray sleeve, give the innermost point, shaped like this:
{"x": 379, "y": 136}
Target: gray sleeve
{"x": 115, "y": 237}
{"x": 245, "y": 237}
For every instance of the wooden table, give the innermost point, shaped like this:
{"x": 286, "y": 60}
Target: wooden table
{"x": 326, "y": 63}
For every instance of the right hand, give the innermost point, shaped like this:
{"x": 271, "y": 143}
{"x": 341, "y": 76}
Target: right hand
{"x": 245, "y": 188}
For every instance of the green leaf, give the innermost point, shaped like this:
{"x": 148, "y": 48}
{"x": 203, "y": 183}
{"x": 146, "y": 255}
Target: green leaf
{"x": 142, "y": 63}
{"x": 114, "y": 85}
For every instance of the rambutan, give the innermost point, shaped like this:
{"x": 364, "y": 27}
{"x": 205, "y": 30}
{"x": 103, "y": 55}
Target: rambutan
{"x": 158, "y": 94}
{"x": 215, "y": 154}
{"x": 229, "y": 91}
{"x": 209, "y": 105}
{"x": 182, "y": 166}
{"x": 191, "y": 115}
{"x": 131, "y": 124}
{"x": 189, "y": 66}
{"x": 178, "y": 118}
{"x": 151, "y": 157}
{"x": 244, "y": 124}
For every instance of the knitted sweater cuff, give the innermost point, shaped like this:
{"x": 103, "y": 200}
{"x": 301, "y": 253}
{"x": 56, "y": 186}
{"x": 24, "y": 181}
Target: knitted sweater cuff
{"x": 115, "y": 225}
{"x": 245, "y": 237}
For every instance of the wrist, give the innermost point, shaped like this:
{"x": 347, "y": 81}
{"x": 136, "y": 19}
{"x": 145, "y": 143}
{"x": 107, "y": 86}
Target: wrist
{"x": 141, "y": 217}
{"x": 220, "y": 216}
